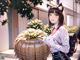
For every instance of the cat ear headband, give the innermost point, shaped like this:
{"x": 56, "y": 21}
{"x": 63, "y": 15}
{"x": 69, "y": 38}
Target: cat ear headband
{"x": 52, "y": 4}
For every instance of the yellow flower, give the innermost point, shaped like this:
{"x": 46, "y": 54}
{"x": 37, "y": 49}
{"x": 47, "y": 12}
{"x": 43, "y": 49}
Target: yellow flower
{"x": 31, "y": 34}
{"x": 36, "y": 24}
{"x": 71, "y": 29}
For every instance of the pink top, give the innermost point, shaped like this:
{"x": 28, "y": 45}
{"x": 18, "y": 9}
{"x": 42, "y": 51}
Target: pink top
{"x": 59, "y": 41}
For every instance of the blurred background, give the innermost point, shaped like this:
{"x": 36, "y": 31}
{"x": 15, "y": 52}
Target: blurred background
{"x": 11, "y": 22}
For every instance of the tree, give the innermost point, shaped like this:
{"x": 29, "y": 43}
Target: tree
{"x": 23, "y": 7}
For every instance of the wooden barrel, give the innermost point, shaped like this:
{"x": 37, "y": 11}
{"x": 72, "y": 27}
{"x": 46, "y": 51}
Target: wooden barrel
{"x": 31, "y": 50}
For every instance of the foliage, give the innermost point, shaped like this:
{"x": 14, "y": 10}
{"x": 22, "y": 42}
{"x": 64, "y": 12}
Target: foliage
{"x": 47, "y": 29}
{"x": 36, "y": 30}
{"x": 3, "y": 6}
{"x": 24, "y": 7}
{"x": 71, "y": 29}
{"x": 36, "y": 24}
{"x": 31, "y": 34}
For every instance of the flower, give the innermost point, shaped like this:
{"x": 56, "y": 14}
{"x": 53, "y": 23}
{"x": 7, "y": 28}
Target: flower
{"x": 36, "y": 24}
{"x": 71, "y": 29}
{"x": 31, "y": 34}
{"x": 35, "y": 31}
{"x": 47, "y": 29}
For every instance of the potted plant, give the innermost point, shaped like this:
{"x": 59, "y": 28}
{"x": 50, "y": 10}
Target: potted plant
{"x": 28, "y": 44}
{"x": 71, "y": 29}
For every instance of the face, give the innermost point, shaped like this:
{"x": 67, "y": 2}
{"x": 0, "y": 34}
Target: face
{"x": 53, "y": 18}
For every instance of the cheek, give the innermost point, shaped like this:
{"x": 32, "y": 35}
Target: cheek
{"x": 52, "y": 18}
{"x": 57, "y": 18}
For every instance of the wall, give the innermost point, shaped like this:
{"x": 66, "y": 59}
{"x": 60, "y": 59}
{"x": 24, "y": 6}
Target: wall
{"x": 38, "y": 13}
{"x": 23, "y": 21}
{"x": 78, "y": 20}
{"x": 78, "y": 8}
{"x": 13, "y": 26}
{"x": 4, "y": 35}
{"x": 78, "y": 16}
{"x": 68, "y": 4}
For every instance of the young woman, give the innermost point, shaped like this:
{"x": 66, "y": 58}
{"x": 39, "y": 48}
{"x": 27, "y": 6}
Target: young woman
{"x": 58, "y": 40}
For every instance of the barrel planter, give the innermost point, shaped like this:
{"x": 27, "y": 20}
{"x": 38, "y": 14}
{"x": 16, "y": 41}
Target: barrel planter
{"x": 31, "y": 50}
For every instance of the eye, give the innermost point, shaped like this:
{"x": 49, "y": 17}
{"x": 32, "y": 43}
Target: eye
{"x": 51, "y": 14}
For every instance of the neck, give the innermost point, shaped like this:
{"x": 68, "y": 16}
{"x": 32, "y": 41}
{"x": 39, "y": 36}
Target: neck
{"x": 56, "y": 25}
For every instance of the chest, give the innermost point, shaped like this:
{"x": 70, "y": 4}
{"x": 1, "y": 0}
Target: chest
{"x": 56, "y": 37}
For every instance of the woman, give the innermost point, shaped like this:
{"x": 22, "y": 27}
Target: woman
{"x": 58, "y": 40}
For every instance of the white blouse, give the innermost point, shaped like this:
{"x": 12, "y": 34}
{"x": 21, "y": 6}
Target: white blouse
{"x": 59, "y": 41}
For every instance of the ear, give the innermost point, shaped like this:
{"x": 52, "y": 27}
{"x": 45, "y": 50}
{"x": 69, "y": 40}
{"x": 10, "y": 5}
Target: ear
{"x": 60, "y": 7}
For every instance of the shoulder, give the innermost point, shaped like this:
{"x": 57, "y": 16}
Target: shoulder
{"x": 63, "y": 32}
{"x": 63, "y": 29}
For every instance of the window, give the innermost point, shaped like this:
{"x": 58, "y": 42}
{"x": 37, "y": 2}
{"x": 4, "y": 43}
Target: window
{"x": 69, "y": 20}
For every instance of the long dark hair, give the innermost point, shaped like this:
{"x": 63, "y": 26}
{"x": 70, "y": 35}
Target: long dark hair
{"x": 58, "y": 12}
